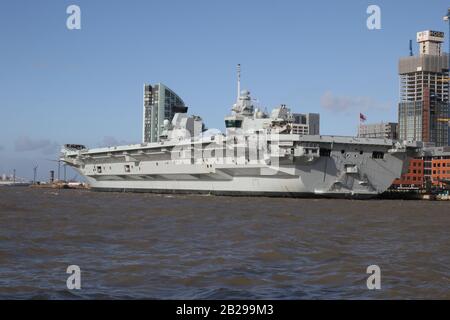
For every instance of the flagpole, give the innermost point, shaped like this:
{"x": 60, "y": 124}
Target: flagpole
{"x": 359, "y": 127}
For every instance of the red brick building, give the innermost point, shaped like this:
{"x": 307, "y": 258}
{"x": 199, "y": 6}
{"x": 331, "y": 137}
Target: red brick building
{"x": 414, "y": 177}
{"x": 434, "y": 166}
{"x": 440, "y": 170}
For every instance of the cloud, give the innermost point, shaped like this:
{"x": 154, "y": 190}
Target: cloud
{"x": 109, "y": 141}
{"x": 25, "y": 143}
{"x": 349, "y": 104}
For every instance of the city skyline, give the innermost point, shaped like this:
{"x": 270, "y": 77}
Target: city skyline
{"x": 85, "y": 86}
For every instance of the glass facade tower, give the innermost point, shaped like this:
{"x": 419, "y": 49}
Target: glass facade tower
{"x": 160, "y": 103}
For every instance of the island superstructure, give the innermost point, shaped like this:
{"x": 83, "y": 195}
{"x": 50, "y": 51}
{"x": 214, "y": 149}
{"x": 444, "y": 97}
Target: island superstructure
{"x": 261, "y": 153}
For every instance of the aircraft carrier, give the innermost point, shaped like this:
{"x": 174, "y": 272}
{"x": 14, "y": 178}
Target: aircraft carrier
{"x": 260, "y": 154}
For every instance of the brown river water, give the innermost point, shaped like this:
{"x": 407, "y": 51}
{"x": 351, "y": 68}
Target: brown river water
{"x": 149, "y": 246}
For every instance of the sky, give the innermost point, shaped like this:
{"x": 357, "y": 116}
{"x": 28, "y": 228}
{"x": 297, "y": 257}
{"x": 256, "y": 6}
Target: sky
{"x": 85, "y": 86}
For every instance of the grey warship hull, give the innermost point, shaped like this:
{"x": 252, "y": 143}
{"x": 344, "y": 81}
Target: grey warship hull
{"x": 299, "y": 166}
{"x": 260, "y": 154}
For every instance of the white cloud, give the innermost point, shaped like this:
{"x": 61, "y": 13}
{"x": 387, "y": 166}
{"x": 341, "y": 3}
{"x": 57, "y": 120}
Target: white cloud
{"x": 46, "y": 146}
{"x": 350, "y": 104}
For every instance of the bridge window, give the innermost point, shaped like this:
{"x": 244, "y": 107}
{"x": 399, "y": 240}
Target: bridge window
{"x": 99, "y": 169}
{"x": 233, "y": 123}
{"x": 127, "y": 168}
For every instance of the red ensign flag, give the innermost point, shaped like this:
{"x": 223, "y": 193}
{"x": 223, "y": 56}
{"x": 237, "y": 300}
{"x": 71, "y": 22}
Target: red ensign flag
{"x": 362, "y": 117}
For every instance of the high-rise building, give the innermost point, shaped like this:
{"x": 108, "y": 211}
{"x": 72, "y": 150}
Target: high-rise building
{"x": 160, "y": 103}
{"x": 379, "y": 130}
{"x": 424, "y": 92}
{"x": 306, "y": 123}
